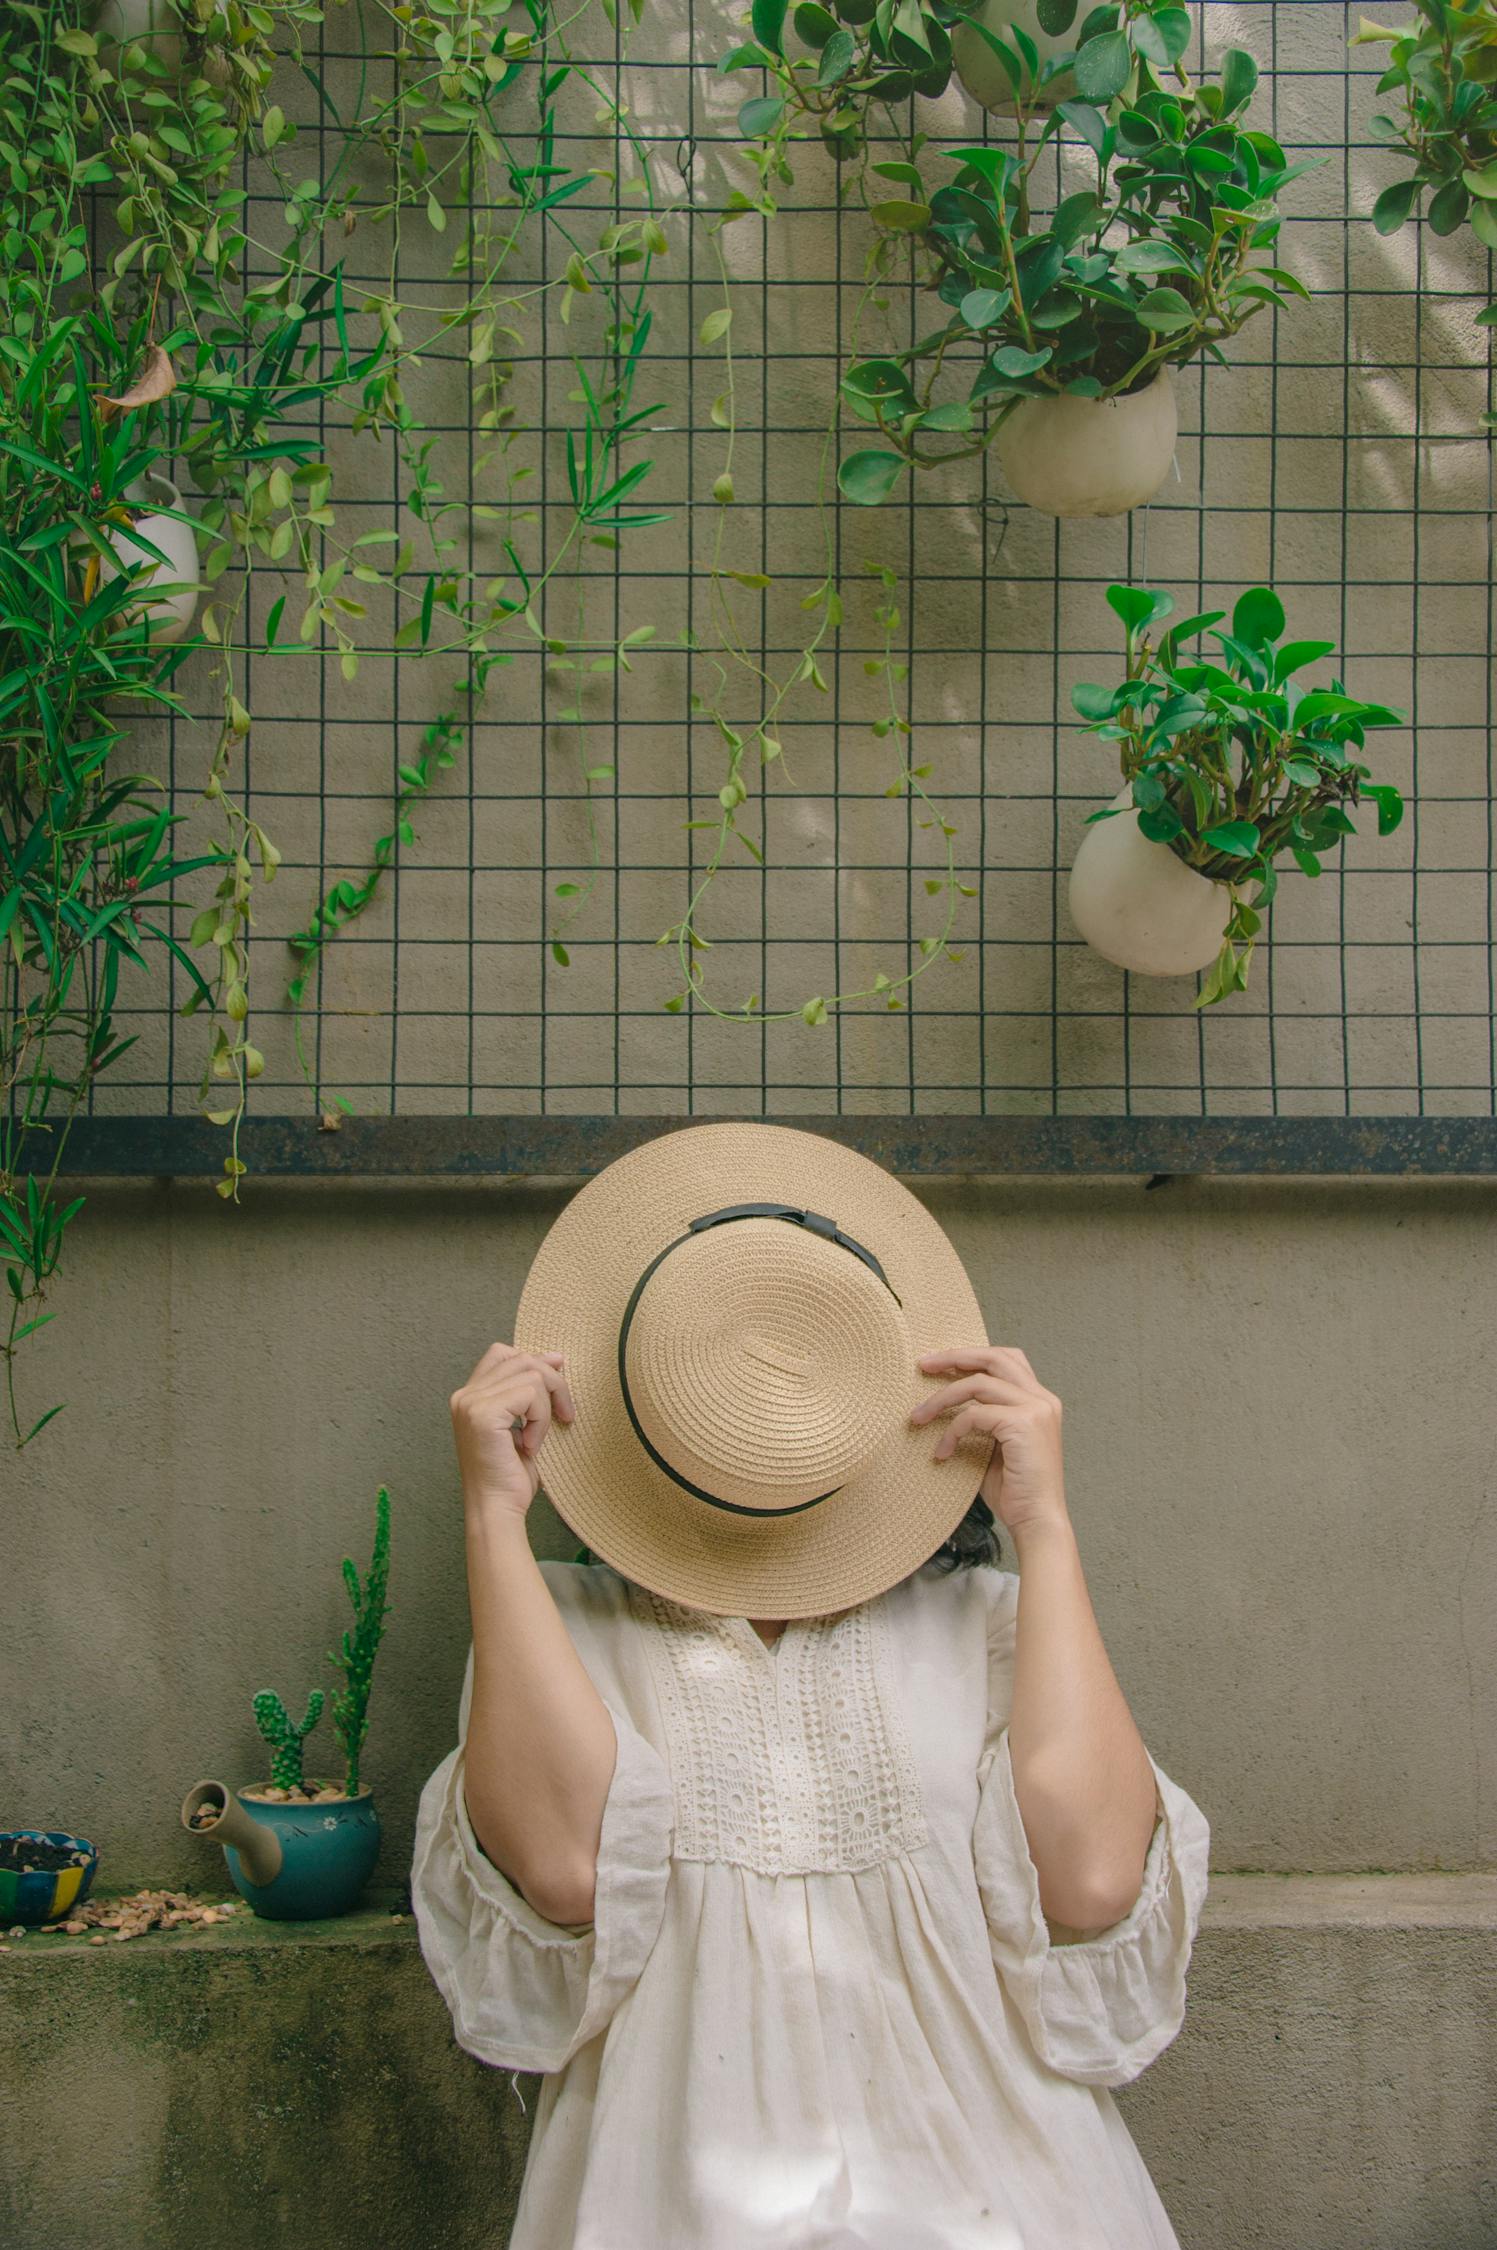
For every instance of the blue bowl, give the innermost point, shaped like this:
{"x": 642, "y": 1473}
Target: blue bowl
{"x": 48, "y": 1893}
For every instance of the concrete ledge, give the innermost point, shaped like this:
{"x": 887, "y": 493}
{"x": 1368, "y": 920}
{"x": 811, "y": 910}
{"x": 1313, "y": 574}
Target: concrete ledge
{"x": 1335, "y": 2087}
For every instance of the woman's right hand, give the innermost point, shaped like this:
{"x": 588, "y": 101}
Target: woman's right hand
{"x": 498, "y": 1461}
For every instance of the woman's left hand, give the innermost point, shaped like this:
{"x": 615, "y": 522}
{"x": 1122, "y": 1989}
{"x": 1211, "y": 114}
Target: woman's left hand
{"x": 995, "y": 1390}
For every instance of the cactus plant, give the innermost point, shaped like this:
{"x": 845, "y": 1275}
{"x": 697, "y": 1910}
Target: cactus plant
{"x": 356, "y": 1657}
{"x": 285, "y": 1739}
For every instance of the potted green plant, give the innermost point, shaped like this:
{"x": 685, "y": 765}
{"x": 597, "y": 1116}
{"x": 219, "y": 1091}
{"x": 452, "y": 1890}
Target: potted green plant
{"x": 839, "y": 60}
{"x": 1066, "y": 324}
{"x": 1018, "y": 56}
{"x": 299, "y": 1848}
{"x": 1228, "y": 766}
{"x": 1443, "y": 68}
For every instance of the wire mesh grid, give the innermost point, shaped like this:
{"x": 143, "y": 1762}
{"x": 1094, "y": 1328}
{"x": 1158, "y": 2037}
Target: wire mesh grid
{"x": 1338, "y": 457}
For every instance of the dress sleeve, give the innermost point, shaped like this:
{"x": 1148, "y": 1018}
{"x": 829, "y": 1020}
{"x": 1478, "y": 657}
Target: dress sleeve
{"x": 523, "y": 1992}
{"x": 1098, "y": 2007}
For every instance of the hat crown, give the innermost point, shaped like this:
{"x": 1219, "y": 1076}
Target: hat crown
{"x": 766, "y": 1363}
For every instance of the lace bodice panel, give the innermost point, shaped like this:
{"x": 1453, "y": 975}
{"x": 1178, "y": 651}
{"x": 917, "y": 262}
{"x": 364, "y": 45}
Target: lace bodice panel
{"x": 792, "y": 1759}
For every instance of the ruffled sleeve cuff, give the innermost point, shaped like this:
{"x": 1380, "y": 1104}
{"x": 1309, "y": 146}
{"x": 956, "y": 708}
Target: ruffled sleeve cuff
{"x": 1101, "y": 2008}
{"x": 523, "y": 1992}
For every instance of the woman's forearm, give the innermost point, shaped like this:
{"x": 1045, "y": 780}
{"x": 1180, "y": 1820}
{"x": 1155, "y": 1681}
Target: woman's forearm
{"x": 1082, "y": 1776}
{"x": 540, "y": 1743}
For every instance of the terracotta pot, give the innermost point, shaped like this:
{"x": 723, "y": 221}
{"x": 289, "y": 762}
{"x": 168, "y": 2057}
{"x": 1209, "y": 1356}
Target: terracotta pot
{"x": 154, "y": 23}
{"x": 1090, "y": 456}
{"x": 1139, "y": 905}
{"x": 983, "y": 74}
{"x": 171, "y": 616}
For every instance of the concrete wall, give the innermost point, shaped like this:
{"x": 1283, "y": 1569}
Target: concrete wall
{"x": 1281, "y": 1463}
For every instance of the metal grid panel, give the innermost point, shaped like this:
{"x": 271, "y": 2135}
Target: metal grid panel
{"x": 1339, "y": 457}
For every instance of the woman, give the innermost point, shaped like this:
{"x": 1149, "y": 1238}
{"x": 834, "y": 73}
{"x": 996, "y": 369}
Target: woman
{"x": 818, "y": 1863}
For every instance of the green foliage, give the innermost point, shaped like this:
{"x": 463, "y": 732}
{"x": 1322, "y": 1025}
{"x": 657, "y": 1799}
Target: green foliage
{"x": 841, "y": 59}
{"x": 163, "y": 349}
{"x": 1161, "y": 261}
{"x": 1235, "y": 761}
{"x": 284, "y": 1737}
{"x": 830, "y": 64}
{"x": 1443, "y": 68}
{"x": 359, "y": 1647}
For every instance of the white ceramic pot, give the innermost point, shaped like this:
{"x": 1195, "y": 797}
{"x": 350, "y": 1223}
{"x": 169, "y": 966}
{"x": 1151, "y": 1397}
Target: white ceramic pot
{"x": 1139, "y": 905}
{"x": 171, "y": 616}
{"x": 1091, "y": 456}
{"x": 983, "y": 74}
{"x": 154, "y": 23}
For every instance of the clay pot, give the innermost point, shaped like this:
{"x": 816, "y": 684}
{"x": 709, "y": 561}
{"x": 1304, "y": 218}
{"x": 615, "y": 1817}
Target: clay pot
{"x": 155, "y": 24}
{"x": 1088, "y": 456}
{"x": 293, "y": 1862}
{"x": 1139, "y": 905}
{"x": 983, "y": 74}
{"x": 171, "y": 616}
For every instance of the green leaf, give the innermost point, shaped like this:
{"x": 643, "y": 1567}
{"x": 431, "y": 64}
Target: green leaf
{"x": 1258, "y": 617}
{"x": 1092, "y": 702}
{"x": 1164, "y": 309}
{"x": 981, "y": 307}
{"x": 761, "y": 116}
{"x": 1102, "y": 66}
{"x": 869, "y": 477}
{"x": 716, "y": 324}
{"x": 1014, "y": 360}
{"x": 900, "y": 217}
{"x": 1239, "y": 76}
{"x": 1055, "y": 16}
{"x": 1294, "y": 655}
{"x": 1138, "y": 607}
{"x": 1238, "y": 838}
{"x": 768, "y": 19}
{"x": 1394, "y": 205}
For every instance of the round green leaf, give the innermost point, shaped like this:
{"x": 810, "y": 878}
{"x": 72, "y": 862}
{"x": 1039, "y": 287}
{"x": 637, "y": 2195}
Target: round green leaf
{"x": 814, "y": 26}
{"x": 1258, "y": 617}
{"x": 981, "y": 307}
{"x": 1102, "y": 67}
{"x": 1394, "y": 205}
{"x": 1164, "y": 310}
{"x": 1056, "y": 16}
{"x": 869, "y": 477}
{"x": 760, "y": 116}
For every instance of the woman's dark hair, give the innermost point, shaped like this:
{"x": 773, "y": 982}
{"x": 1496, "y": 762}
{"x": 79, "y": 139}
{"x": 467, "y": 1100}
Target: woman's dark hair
{"x": 974, "y": 1541}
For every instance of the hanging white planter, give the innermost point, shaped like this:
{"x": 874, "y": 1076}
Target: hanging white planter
{"x": 983, "y": 74}
{"x": 156, "y": 24}
{"x": 1139, "y": 905}
{"x": 1072, "y": 456}
{"x": 169, "y": 617}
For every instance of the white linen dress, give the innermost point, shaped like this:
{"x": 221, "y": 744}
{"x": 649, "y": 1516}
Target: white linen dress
{"x": 819, "y": 2006}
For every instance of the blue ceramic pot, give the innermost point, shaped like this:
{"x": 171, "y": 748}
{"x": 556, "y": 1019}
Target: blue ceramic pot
{"x": 328, "y": 1853}
{"x": 48, "y": 1893}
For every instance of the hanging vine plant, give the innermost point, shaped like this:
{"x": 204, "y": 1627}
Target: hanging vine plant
{"x": 166, "y": 355}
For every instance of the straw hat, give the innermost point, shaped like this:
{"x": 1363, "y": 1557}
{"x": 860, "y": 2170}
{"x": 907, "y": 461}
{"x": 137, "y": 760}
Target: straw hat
{"x": 741, "y": 1308}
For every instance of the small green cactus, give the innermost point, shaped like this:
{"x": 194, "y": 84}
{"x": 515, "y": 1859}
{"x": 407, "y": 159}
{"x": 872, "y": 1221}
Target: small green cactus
{"x": 359, "y": 1647}
{"x": 274, "y": 1722}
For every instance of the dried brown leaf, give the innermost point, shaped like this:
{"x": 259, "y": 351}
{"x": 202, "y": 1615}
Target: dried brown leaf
{"x": 154, "y": 381}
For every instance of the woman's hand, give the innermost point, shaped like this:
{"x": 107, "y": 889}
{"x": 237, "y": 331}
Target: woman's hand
{"x": 499, "y": 1420}
{"x": 996, "y": 1391}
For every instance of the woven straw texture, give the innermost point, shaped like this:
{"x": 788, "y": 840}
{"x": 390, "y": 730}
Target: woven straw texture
{"x": 765, "y": 1363}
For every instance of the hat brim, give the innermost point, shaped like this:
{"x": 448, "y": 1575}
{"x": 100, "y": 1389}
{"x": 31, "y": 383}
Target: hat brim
{"x": 886, "y": 1520}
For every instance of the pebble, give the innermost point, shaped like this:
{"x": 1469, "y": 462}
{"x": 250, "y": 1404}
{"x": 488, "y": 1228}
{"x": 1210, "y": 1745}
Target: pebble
{"x": 17, "y": 1929}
